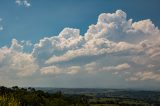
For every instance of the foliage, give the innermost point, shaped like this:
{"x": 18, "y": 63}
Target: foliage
{"x": 16, "y": 96}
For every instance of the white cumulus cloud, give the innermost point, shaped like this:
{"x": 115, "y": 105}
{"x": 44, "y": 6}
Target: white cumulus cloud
{"x": 113, "y": 44}
{"x": 14, "y": 61}
{"x": 112, "y": 35}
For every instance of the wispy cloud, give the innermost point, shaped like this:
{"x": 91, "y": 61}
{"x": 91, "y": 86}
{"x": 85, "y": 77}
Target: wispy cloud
{"x": 1, "y": 26}
{"x": 23, "y": 3}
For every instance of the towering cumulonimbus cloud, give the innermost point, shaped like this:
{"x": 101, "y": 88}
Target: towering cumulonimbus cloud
{"x": 113, "y": 44}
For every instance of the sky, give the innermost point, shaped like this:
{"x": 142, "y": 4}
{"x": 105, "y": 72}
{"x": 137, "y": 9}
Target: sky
{"x": 80, "y": 43}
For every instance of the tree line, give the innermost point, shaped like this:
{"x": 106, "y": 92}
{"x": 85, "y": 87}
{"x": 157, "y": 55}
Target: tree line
{"x": 16, "y": 96}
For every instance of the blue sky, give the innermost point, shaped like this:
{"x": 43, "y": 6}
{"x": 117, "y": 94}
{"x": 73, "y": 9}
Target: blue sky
{"x": 49, "y": 17}
{"x": 80, "y": 43}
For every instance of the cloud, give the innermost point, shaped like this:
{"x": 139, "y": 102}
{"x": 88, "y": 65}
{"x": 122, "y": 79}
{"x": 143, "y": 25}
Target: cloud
{"x": 15, "y": 46}
{"x": 68, "y": 39}
{"x": 147, "y": 75}
{"x": 73, "y": 70}
{"x": 90, "y": 67}
{"x": 112, "y": 35}
{"x": 120, "y": 67}
{"x": 60, "y": 70}
{"x": 50, "y": 70}
{"x": 94, "y": 47}
{"x": 14, "y": 61}
{"x": 113, "y": 45}
{"x": 23, "y": 3}
{"x": 1, "y": 26}
{"x": 94, "y": 67}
